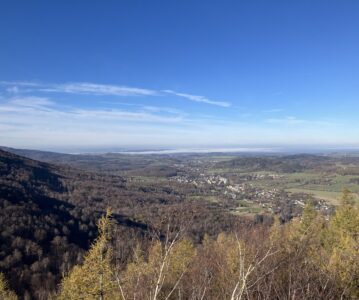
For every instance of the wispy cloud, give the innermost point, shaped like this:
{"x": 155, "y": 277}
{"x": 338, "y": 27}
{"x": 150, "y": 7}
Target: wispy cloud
{"x": 88, "y": 88}
{"x": 19, "y": 83}
{"x": 122, "y": 115}
{"x": 39, "y": 123}
{"x": 80, "y": 88}
{"x": 273, "y": 110}
{"x": 31, "y": 101}
{"x": 286, "y": 120}
{"x": 200, "y": 99}
{"x": 12, "y": 89}
{"x": 98, "y": 89}
{"x": 291, "y": 120}
{"x": 38, "y": 107}
{"x": 32, "y": 116}
{"x": 157, "y": 109}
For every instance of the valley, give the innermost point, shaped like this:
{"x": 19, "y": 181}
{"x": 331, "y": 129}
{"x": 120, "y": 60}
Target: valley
{"x": 56, "y": 200}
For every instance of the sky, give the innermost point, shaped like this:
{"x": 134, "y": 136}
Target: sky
{"x": 179, "y": 74}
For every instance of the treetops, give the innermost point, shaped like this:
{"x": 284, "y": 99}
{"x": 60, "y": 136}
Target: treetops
{"x": 307, "y": 258}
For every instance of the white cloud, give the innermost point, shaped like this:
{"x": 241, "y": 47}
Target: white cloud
{"x": 122, "y": 115}
{"x": 287, "y": 120}
{"x": 273, "y": 110}
{"x": 54, "y": 127}
{"x": 97, "y": 89}
{"x": 291, "y": 120}
{"x": 30, "y": 121}
{"x": 197, "y": 98}
{"x": 81, "y": 88}
{"x": 157, "y": 109}
{"x": 12, "y": 89}
{"x": 19, "y": 83}
{"x": 38, "y": 109}
{"x": 32, "y": 101}
{"x": 102, "y": 90}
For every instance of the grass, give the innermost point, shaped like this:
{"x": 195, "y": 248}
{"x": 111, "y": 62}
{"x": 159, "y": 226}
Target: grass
{"x": 247, "y": 208}
{"x": 330, "y": 196}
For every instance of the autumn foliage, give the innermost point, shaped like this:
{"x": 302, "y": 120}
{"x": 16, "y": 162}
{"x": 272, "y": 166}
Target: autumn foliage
{"x": 309, "y": 258}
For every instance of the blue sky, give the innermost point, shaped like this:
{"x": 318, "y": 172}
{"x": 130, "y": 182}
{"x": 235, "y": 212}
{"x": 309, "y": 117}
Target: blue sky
{"x": 107, "y": 74}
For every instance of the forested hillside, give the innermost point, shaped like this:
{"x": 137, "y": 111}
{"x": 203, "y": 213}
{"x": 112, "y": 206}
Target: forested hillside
{"x": 308, "y": 258}
{"x": 48, "y": 218}
{"x": 161, "y": 241}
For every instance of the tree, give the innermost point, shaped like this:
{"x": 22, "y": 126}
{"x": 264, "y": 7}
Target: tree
{"x": 342, "y": 246}
{"x": 5, "y": 293}
{"x": 158, "y": 277}
{"x": 94, "y": 279}
{"x": 297, "y": 264}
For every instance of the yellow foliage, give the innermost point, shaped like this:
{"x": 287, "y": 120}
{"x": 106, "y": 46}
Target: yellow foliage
{"x": 5, "y": 293}
{"x": 341, "y": 242}
{"x": 94, "y": 279}
{"x": 163, "y": 266}
{"x": 180, "y": 258}
{"x": 228, "y": 267}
